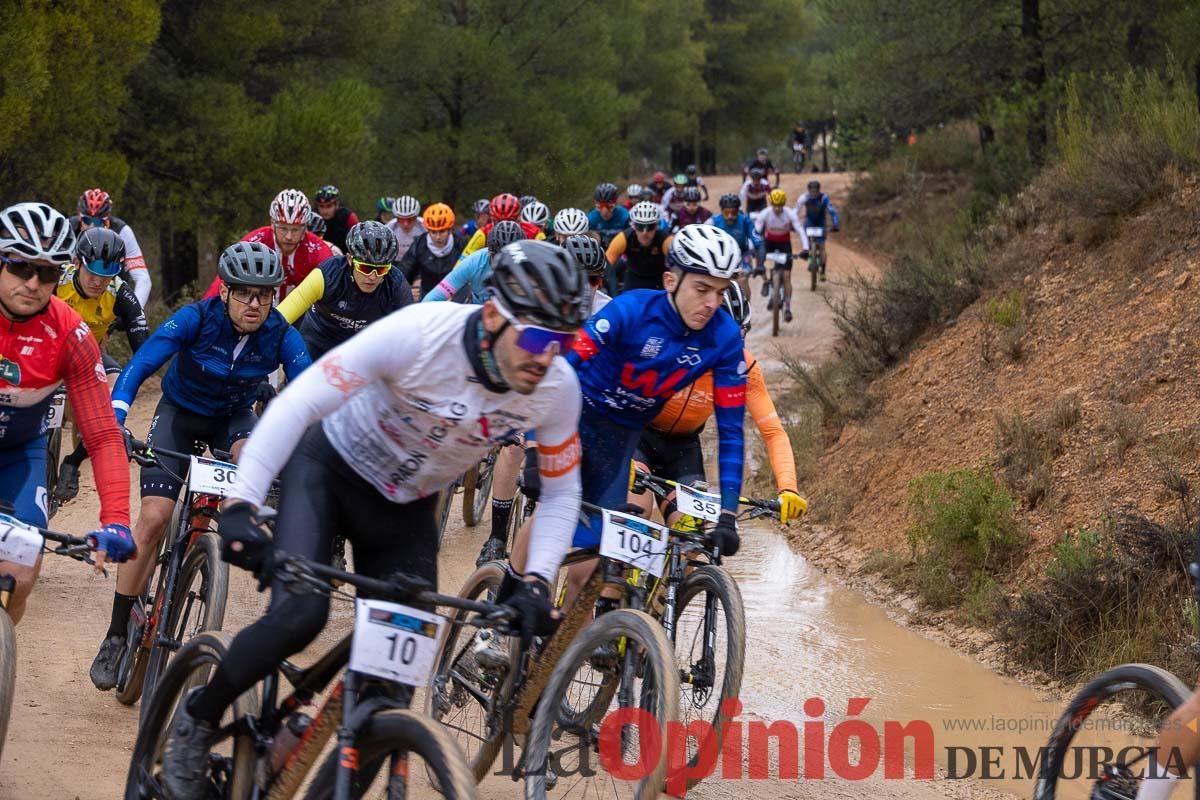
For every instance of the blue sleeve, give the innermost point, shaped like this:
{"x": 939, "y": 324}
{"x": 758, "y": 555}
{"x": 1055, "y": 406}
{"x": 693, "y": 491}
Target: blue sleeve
{"x": 832, "y": 212}
{"x": 751, "y": 234}
{"x": 460, "y": 276}
{"x": 600, "y": 331}
{"x": 293, "y": 354}
{"x": 729, "y": 403}
{"x": 180, "y": 329}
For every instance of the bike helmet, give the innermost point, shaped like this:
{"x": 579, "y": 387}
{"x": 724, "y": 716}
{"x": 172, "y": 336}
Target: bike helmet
{"x": 438, "y": 217}
{"x": 756, "y": 173}
{"x": 101, "y": 251}
{"x": 606, "y": 193}
{"x": 645, "y": 213}
{"x": 482, "y": 206}
{"x": 646, "y": 194}
{"x": 633, "y": 191}
{"x": 660, "y": 177}
{"x": 290, "y": 207}
{"x": 526, "y": 199}
{"x": 36, "y": 232}
{"x": 778, "y": 197}
{"x": 95, "y": 203}
{"x": 504, "y": 206}
{"x": 814, "y": 186}
{"x": 372, "y": 242}
{"x": 691, "y": 170}
{"x": 762, "y": 152}
{"x": 504, "y": 233}
{"x": 542, "y": 283}
{"x": 250, "y": 264}
{"x": 691, "y": 194}
{"x": 316, "y": 224}
{"x": 738, "y": 306}
{"x": 536, "y": 213}
{"x": 570, "y": 221}
{"x": 706, "y": 250}
{"x": 384, "y": 205}
{"x": 406, "y": 206}
{"x": 730, "y": 201}
{"x": 588, "y": 253}
{"x": 326, "y": 193}
{"x": 681, "y": 180}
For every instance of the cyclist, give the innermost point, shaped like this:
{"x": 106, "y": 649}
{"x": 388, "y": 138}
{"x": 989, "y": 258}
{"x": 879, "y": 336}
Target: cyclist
{"x": 502, "y": 207}
{"x": 672, "y": 200}
{"x": 815, "y": 204}
{"x": 754, "y": 192}
{"x": 642, "y": 348}
{"x": 472, "y": 271}
{"x": 223, "y": 348}
{"x": 643, "y": 246}
{"x": 692, "y": 213}
{"x": 102, "y": 300}
{"x": 481, "y": 217}
{"x": 799, "y": 147}
{"x": 383, "y": 209}
{"x": 670, "y": 444}
{"x": 406, "y": 226}
{"x": 776, "y": 225}
{"x": 694, "y": 179}
{"x": 95, "y": 211}
{"x": 298, "y": 249}
{"x": 538, "y": 215}
{"x": 45, "y": 344}
{"x": 659, "y": 186}
{"x": 485, "y": 373}
{"x": 347, "y": 293}
{"x": 338, "y": 218}
{"x": 569, "y": 222}
{"x": 741, "y": 228}
{"x": 435, "y": 252}
{"x": 633, "y": 195}
{"x": 762, "y": 161}
{"x": 607, "y": 218}
{"x": 316, "y": 226}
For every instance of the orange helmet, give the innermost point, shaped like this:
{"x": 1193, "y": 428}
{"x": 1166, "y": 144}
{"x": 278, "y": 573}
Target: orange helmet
{"x": 438, "y": 217}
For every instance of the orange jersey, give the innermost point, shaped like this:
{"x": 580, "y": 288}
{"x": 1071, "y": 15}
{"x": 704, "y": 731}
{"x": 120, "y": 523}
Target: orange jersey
{"x": 688, "y": 409}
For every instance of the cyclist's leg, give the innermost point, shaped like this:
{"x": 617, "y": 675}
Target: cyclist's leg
{"x": 23, "y": 484}
{"x": 644, "y": 458}
{"x": 786, "y": 277}
{"x": 504, "y": 489}
{"x": 68, "y": 474}
{"x": 682, "y": 462}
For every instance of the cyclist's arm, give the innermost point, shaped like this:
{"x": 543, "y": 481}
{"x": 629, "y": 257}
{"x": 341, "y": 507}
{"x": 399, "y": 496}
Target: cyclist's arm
{"x": 595, "y": 334}
{"x": 729, "y": 405}
{"x": 616, "y": 248}
{"x": 478, "y": 241}
{"x": 370, "y": 355}
{"x": 408, "y": 265}
{"x": 129, "y": 312}
{"x": 462, "y": 274}
{"x": 832, "y": 212}
{"x": 180, "y": 329}
{"x": 798, "y": 226}
{"x": 762, "y": 411}
{"x": 352, "y": 220}
{"x": 87, "y": 391}
{"x": 742, "y": 194}
{"x": 300, "y": 299}
{"x": 559, "y": 454}
{"x": 752, "y": 236}
{"x": 760, "y": 222}
{"x": 135, "y": 263}
{"x": 293, "y": 354}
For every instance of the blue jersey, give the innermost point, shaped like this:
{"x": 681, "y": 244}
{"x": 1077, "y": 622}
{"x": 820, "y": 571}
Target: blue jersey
{"x": 814, "y": 207}
{"x": 635, "y": 353}
{"x": 619, "y": 220}
{"x": 742, "y": 230}
{"x": 470, "y": 273}
{"x": 216, "y": 370}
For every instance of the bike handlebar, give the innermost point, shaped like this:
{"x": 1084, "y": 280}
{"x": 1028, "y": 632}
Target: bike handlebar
{"x": 665, "y": 485}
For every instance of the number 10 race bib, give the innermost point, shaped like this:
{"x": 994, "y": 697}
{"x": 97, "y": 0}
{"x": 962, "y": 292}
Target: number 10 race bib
{"x": 395, "y": 642}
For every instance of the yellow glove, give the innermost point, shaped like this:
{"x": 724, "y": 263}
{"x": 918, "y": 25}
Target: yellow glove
{"x": 791, "y": 506}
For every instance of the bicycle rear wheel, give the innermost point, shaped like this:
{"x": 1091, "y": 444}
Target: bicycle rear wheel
{"x": 53, "y": 454}
{"x": 477, "y": 490}
{"x": 8, "y": 673}
{"x": 441, "y": 511}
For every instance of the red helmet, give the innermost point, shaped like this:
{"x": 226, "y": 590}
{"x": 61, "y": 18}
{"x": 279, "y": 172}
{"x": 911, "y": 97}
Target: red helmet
{"x": 660, "y": 177}
{"x": 95, "y": 203}
{"x": 505, "y": 206}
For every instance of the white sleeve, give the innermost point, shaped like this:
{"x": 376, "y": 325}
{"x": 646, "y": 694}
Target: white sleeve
{"x": 760, "y": 220}
{"x": 368, "y": 356}
{"x": 136, "y": 264}
{"x": 742, "y": 193}
{"x": 559, "y": 454}
{"x": 799, "y": 227}
{"x": 668, "y": 195}
{"x": 141, "y": 285}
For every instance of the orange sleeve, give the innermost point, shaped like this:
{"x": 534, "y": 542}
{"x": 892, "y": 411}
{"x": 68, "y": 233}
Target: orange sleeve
{"x": 616, "y": 248}
{"x": 762, "y": 410}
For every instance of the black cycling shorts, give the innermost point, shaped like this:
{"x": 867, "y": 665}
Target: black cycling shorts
{"x": 780, "y": 247}
{"x": 676, "y": 458}
{"x": 177, "y": 429}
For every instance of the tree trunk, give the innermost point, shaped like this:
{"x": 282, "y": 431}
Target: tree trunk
{"x": 1035, "y": 77}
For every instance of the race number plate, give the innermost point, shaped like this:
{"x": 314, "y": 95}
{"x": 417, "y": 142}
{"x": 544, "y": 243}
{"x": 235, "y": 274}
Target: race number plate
{"x": 634, "y": 541}
{"x": 209, "y": 476}
{"x": 778, "y": 258}
{"x": 19, "y": 543}
{"x": 395, "y": 642}
{"x": 54, "y": 416}
{"x": 697, "y": 503}
{"x": 814, "y": 232}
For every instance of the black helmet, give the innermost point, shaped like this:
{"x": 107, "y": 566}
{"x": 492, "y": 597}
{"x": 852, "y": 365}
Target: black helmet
{"x": 503, "y": 233}
{"x": 691, "y": 194}
{"x": 691, "y": 170}
{"x": 730, "y": 201}
{"x": 326, "y": 193}
{"x": 606, "y": 193}
{"x": 101, "y": 250}
{"x": 646, "y": 194}
{"x": 542, "y": 283}
{"x": 738, "y": 306}
{"x": 316, "y": 224}
{"x": 814, "y": 186}
{"x": 250, "y": 264}
{"x": 482, "y": 206}
{"x": 372, "y": 242}
{"x": 526, "y": 199}
{"x": 587, "y": 252}
{"x": 756, "y": 173}
{"x": 762, "y": 152}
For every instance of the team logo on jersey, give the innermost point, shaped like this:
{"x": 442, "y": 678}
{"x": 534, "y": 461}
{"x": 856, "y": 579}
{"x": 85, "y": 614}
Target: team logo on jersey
{"x": 652, "y": 347}
{"x": 691, "y": 359}
{"x": 647, "y": 384}
{"x": 602, "y": 325}
{"x": 10, "y": 371}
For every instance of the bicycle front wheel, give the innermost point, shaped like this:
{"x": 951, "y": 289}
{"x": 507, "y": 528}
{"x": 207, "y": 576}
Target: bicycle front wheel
{"x": 1130, "y": 700}
{"x": 477, "y": 490}
{"x": 581, "y": 751}
{"x": 8, "y": 672}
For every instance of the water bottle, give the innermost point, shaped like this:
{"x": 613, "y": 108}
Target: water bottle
{"x": 288, "y": 739}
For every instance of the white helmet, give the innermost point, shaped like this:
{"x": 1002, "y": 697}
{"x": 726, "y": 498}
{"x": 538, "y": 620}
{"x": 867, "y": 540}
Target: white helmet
{"x": 705, "y": 249}
{"x": 570, "y": 221}
{"x": 645, "y": 213}
{"x": 290, "y": 207}
{"x": 537, "y": 213}
{"x": 634, "y": 191}
{"x": 36, "y": 232}
{"x": 406, "y": 206}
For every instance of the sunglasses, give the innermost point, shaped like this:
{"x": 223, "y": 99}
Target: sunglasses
{"x": 95, "y": 222}
{"x": 247, "y": 295}
{"x": 644, "y": 226}
{"x": 367, "y": 268}
{"x": 536, "y": 340}
{"x": 24, "y": 270}
{"x": 606, "y": 206}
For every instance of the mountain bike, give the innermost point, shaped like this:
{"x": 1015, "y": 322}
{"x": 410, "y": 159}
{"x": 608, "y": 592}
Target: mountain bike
{"x": 816, "y": 254}
{"x": 55, "y": 417}
{"x": 1131, "y": 698}
{"x": 189, "y": 593}
{"x": 268, "y": 747}
{"x": 23, "y": 544}
{"x": 477, "y": 488}
{"x": 486, "y": 694}
{"x": 775, "y": 280}
{"x": 798, "y": 153}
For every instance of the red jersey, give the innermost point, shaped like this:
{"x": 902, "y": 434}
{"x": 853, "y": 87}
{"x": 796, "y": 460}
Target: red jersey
{"x": 303, "y": 260}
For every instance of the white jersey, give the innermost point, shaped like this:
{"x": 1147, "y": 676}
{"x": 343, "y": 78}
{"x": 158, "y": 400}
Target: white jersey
{"x": 401, "y": 403}
{"x": 599, "y": 300}
{"x": 403, "y": 239}
{"x": 135, "y": 262}
{"x": 777, "y": 225}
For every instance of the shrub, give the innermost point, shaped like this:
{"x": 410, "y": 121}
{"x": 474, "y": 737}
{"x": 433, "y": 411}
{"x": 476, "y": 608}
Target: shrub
{"x": 1004, "y": 311}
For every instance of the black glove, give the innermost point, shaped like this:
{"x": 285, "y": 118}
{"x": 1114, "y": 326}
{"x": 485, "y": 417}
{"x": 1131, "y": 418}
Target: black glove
{"x": 804, "y": 254}
{"x": 725, "y": 535}
{"x": 531, "y": 602}
{"x": 127, "y": 437}
{"x": 264, "y": 393}
{"x": 237, "y": 525}
{"x": 531, "y": 479}
{"x": 835, "y": 228}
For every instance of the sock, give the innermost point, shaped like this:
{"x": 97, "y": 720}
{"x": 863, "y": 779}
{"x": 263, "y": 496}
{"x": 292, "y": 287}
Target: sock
{"x": 76, "y": 456}
{"x": 122, "y": 605}
{"x": 501, "y": 510}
